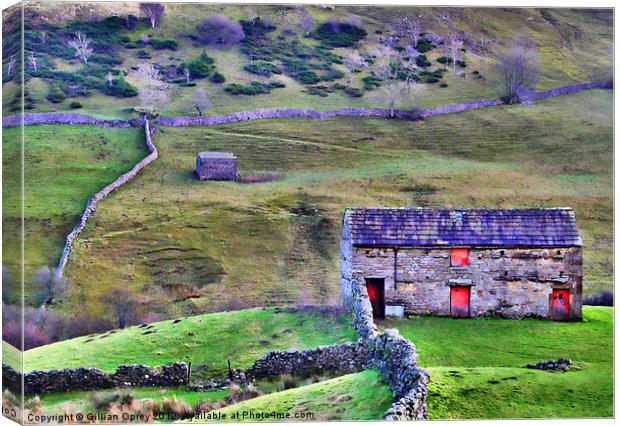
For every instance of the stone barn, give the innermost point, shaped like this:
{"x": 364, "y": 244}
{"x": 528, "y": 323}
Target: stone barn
{"x": 211, "y": 165}
{"x": 510, "y": 263}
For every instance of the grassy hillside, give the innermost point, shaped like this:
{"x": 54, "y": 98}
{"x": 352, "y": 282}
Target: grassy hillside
{"x": 206, "y": 340}
{"x": 360, "y": 396}
{"x": 574, "y": 46}
{"x": 476, "y": 366}
{"x": 64, "y": 166}
{"x": 277, "y": 242}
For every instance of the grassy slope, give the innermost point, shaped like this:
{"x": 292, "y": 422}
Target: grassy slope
{"x": 360, "y": 396}
{"x": 79, "y": 402}
{"x": 11, "y": 356}
{"x": 277, "y": 242}
{"x": 575, "y": 48}
{"x": 64, "y": 166}
{"x": 476, "y": 366}
{"x": 240, "y": 336}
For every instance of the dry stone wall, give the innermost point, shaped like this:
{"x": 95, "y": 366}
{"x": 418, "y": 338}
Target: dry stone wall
{"x": 84, "y": 379}
{"x": 345, "y": 358}
{"x": 264, "y": 113}
{"x": 34, "y": 118}
{"x": 92, "y": 203}
{"x": 394, "y": 356}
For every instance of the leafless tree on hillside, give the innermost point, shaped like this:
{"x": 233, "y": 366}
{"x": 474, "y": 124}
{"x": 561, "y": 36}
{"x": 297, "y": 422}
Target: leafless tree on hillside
{"x": 518, "y": 67}
{"x": 307, "y": 23}
{"x": 410, "y": 28}
{"x": 388, "y": 65}
{"x": 453, "y": 42}
{"x": 352, "y": 61}
{"x": 186, "y": 74}
{"x": 48, "y": 286}
{"x": 11, "y": 65}
{"x": 153, "y": 92}
{"x": 123, "y": 305}
{"x": 153, "y": 11}
{"x": 81, "y": 45}
{"x": 200, "y": 101}
{"x": 33, "y": 61}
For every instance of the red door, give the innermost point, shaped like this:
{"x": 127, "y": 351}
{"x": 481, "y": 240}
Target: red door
{"x": 375, "y": 288}
{"x": 459, "y": 302}
{"x": 560, "y": 304}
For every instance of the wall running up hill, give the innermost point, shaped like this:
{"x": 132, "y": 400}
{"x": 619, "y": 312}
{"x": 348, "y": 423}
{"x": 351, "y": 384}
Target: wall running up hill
{"x": 92, "y": 203}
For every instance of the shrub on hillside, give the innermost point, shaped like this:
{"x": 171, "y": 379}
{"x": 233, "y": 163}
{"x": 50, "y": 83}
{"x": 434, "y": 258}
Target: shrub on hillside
{"x": 431, "y": 79}
{"x": 119, "y": 88}
{"x": 75, "y": 105}
{"x": 339, "y": 34}
{"x": 16, "y": 101}
{"x": 219, "y": 30}
{"x": 56, "y": 95}
{"x": 354, "y": 92}
{"x": 444, "y": 60}
{"x": 263, "y": 68}
{"x": 424, "y": 45}
{"x": 143, "y": 54}
{"x": 217, "y": 78}
{"x": 371, "y": 82}
{"x": 164, "y": 44}
{"x": 200, "y": 67}
{"x": 307, "y": 77}
{"x": 422, "y": 61}
{"x": 252, "y": 89}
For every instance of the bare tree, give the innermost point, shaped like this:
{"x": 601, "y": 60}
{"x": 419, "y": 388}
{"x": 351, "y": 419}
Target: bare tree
{"x": 518, "y": 68}
{"x": 81, "y": 45}
{"x": 123, "y": 305}
{"x": 109, "y": 78}
{"x": 409, "y": 27}
{"x": 397, "y": 73}
{"x": 352, "y": 61}
{"x": 153, "y": 11}
{"x": 33, "y": 60}
{"x": 11, "y": 65}
{"x": 307, "y": 23}
{"x": 220, "y": 30}
{"x": 153, "y": 91}
{"x": 200, "y": 101}
{"x": 48, "y": 286}
{"x": 186, "y": 74}
{"x": 453, "y": 43}
{"x": 43, "y": 37}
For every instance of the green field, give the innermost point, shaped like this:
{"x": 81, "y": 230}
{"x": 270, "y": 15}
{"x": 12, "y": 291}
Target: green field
{"x": 64, "y": 166}
{"x": 476, "y": 366}
{"x": 207, "y": 341}
{"x": 167, "y": 235}
{"x": 360, "y": 396}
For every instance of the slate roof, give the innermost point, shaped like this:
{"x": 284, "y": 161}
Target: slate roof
{"x": 216, "y": 155}
{"x": 463, "y": 227}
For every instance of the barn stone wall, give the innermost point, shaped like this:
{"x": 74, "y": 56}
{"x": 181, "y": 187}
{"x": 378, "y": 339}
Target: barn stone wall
{"x": 84, "y": 379}
{"x": 216, "y": 169}
{"x": 511, "y": 283}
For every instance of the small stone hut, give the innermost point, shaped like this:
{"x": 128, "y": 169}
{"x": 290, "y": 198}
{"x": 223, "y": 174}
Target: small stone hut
{"x": 212, "y": 165}
{"x": 510, "y": 263}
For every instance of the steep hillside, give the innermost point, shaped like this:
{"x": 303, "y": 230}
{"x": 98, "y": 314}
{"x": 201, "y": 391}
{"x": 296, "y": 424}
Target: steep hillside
{"x": 277, "y": 242}
{"x": 64, "y": 166}
{"x": 207, "y": 341}
{"x": 574, "y": 46}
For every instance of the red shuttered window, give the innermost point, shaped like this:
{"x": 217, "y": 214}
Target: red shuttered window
{"x": 459, "y": 257}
